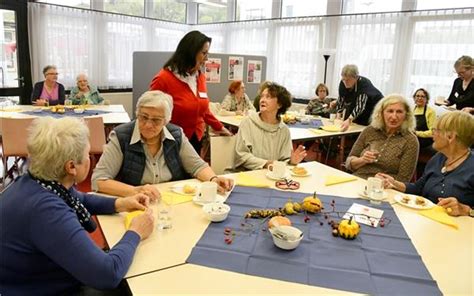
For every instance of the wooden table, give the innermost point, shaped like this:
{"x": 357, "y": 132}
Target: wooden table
{"x": 159, "y": 263}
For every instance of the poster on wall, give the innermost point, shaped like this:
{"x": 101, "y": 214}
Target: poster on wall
{"x": 213, "y": 70}
{"x": 236, "y": 68}
{"x": 254, "y": 71}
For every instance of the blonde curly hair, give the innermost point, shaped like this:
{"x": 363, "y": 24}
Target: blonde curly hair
{"x": 378, "y": 121}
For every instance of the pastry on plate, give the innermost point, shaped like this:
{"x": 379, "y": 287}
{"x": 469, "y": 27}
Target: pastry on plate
{"x": 189, "y": 189}
{"x": 420, "y": 201}
{"x": 405, "y": 199}
{"x": 301, "y": 171}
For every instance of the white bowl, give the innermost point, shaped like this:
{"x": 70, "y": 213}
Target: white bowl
{"x": 78, "y": 110}
{"x": 216, "y": 212}
{"x": 286, "y": 237}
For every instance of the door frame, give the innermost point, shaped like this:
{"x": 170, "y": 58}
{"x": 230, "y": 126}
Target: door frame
{"x": 23, "y": 51}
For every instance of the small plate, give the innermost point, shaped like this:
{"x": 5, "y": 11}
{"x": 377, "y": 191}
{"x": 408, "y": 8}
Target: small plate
{"x": 198, "y": 201}
{"x": 270, "y": 176}
{"x": 411, "y": 202}
{"x": 179, "y": 188}
{"x": 308, "y": 173}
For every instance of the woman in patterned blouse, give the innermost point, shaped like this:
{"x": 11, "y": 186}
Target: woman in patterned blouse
{"x": 321, "y": 104}
{"x": 388, "y": 144}
{"x": 236, "y": 102}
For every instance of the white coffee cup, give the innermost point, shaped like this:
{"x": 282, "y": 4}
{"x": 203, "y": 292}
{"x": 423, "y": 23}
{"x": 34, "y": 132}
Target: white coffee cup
{"x": 375, "y": 190}
{"x": 278, "y": 169}
{"x": 208, "y": 192}
{"x": 332, "y": 117}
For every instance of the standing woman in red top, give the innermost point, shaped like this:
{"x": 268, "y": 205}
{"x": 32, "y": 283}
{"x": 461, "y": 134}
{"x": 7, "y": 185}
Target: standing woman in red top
{"x": 181, "y": 77}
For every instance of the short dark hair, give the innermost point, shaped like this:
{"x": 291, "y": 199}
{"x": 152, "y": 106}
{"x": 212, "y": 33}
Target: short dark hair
{"x": 184, "y": 58}
{"x": 282, "y": 94}
{"x": 47, "y": 68}
{"x": 427, "y": 95}
{"x": 323, "y": 86}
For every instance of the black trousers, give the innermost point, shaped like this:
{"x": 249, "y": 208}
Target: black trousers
{"x": 197, "y": 144}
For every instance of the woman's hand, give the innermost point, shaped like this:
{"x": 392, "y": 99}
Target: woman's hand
{"x": 224, "y": 132}
{"x": 149, "y": 190}
{"x": 345, "y": 125}
{"x": 369, "y": 156}
{"x": 40, "y": 102}
{"x": 298, "y": 155}
{"x": 238, "y": 112}
{"x": 453, "y": 206}
{"x": 223, "y": 184}
{"x": 468, "y": 109}
{"x": 135, "y": 202}
{"x": 388, "y": 181}
{"x": 143, "y": 224}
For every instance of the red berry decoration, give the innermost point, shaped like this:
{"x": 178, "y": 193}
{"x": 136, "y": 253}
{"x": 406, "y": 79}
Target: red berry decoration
{"x": 306, "y": 219}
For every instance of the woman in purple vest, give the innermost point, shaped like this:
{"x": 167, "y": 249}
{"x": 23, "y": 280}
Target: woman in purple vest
{"x": 150, "y": 150}
{"x": 49, "y": 91}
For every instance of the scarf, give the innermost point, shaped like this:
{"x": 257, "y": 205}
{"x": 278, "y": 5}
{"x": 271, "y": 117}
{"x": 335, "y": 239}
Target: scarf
{"x": 72, "y": 201}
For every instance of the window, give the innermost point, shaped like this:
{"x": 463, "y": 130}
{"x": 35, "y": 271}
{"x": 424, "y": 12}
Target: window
{"x": 171, "y": 10}
{"x": 212, "y": 11}
{"x": 365, "y": 6}
{"x": 438, "y": 4}
{"x": 131, "y": 7}
{"x": 253, "y": 10}
{"x": 74, "y": 3}
{"x": 294, "y": 8}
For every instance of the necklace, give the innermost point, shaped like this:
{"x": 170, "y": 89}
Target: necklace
{"x": 445, "y": 167}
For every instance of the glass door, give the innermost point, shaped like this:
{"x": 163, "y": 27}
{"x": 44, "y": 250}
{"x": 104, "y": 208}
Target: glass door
{"x": 15, "y": 75}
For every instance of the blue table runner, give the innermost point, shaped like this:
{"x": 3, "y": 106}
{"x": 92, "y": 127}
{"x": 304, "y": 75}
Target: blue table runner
{"x": 313, "y": 123}
{"x": 379, "y": 261}
{"x": 67, "y": 113}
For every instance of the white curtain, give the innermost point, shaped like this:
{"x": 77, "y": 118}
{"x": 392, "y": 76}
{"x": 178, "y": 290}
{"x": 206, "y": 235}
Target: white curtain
{"x": 98, "y": 44}
{"x": 401, "y": 52}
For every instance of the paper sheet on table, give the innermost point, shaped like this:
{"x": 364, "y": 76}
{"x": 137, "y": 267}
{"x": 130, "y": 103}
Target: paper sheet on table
{"x": 171, "y": 198}
{"x": 246, "y": 180}
{"x": 333, "y": 180}
{"x": 439, "y": 214}
{"x": 315, "y": 130}
{"x": 129, "y": 217}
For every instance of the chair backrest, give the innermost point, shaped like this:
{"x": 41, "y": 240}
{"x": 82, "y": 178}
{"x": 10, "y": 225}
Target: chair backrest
{"x": 214, "y": 107}
{"x": 222, "y": 153}
{"x": 97, "y": 134}
{"x": 14, "y": 133}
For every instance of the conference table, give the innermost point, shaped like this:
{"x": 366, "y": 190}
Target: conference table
{"x": 159, "y": 265}
{"x": 299, "y": 135}
{"x": 111, "y": 114}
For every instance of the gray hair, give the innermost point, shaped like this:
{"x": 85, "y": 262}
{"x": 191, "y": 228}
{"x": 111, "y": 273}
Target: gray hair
{"x": 48, "y": 67}
{"x": 156, "y": 99}
{"x": 378, "y": 121}
{"x": 81, "y": 75}
{"x": 52, "y": 143}
{"x": 350, "y": 70}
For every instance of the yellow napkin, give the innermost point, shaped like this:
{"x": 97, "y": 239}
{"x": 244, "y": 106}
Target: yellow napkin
{"x": 332, "y": 180}
{"x": 11, "y": 109}
{"x": 331, "y": 128}
{"x": 315, "y": 130}
{"x": 244, "y": 179}
{"x": 171, "y": 198}
{"x": 239, "y": 117}
{"x": 439, "y": 214}
{"x": 129, "y": 217}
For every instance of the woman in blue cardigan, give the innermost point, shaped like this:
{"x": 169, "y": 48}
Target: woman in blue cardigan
{"x": 45, "y": 247}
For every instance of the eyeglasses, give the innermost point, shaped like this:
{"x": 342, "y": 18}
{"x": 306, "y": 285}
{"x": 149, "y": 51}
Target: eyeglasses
{"x": 52, "y": 74}
{"x": 420, "y": 96}
{"x": 154, "y": 121}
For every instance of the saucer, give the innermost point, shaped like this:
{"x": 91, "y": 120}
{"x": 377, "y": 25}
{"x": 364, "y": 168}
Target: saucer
{"x": 198, "y": 201}
{"x": 270, "y": 176}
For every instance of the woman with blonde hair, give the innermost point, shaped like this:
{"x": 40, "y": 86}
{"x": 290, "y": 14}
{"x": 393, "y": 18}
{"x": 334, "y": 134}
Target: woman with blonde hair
{"x": 388, "y": 144}
{"x": 46, "y": 248}
{"x": 448, "y": 179}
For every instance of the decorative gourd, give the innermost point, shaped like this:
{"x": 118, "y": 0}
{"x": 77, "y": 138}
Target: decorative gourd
{"x": 348, "y": 229}
{"x": 312, "y": 204}
{"x": 279, "y": 220}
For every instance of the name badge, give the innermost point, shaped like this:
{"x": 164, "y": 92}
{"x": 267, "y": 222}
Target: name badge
{"x": 456, "y": 95}
{"x": 203, "y": 95}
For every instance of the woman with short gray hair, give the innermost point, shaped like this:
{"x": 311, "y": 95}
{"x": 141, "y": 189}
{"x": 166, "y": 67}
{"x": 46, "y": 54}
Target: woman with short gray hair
{"x": 84, "y": 93}
{"x": 49, "y": 91}
{"x": 388, "y": 145}
{"x": 150, "y": 150}
{"x": 462, "y": 93}
{"x": 46, "y": 246}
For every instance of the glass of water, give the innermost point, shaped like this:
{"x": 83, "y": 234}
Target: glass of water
{"x": 165, "y": 220}
{"x": 375, "y": 190}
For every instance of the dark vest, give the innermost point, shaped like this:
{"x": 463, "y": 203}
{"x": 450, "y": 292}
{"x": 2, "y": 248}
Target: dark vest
{"x": 134, "y": 159}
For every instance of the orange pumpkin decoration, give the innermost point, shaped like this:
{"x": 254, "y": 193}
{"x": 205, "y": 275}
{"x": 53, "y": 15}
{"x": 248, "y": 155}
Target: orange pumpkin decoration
{"x": 279, "y": 220}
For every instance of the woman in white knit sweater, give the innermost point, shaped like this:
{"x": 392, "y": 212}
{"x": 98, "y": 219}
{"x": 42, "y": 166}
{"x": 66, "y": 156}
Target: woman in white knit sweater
{"x": 263, "y": 137}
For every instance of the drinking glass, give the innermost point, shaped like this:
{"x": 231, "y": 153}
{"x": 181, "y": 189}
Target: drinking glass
{"x": 165, "y": 220}
{"x": 375, "y": 190}
{"x": 374, "y": 147}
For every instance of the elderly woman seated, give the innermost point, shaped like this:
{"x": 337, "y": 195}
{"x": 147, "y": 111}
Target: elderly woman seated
{"x": 388, "y": 144}
{"x": 84, "y": 93}
{"x": 150, "y": 150}
{"x": 263, "y": 137}
{"x": 45, "y": 245}
{"x": 448, "y": 179}
{"x": 236, "y": 102}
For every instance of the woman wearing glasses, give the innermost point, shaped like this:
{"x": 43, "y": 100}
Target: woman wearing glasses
{"x": 49, "y": 91}
{"x": 236, "y": 102}
{"x": 462, "y": 93}
{"x": 181, "y": 77}
{"x": 149, "y": 150}
{"x": 448, "y": 179}
{"x": 425, "y": 117}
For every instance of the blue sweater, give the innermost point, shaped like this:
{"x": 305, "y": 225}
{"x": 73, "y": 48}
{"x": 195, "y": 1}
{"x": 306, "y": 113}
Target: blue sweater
{"x": 458, "y": 183}
{"x": 45, "y": 251}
